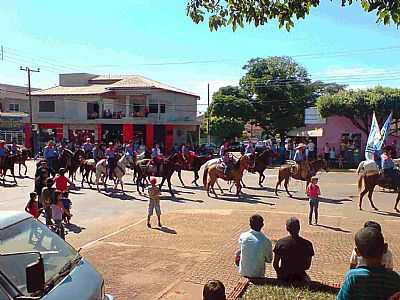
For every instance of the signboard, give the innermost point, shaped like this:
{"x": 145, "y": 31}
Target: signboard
{"x": 312, "y": 116}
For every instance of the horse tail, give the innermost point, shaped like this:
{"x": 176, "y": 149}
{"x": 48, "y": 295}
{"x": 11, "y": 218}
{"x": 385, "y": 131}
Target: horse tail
{"x": 360, "y": 182}
{"x": 205, "y": 174}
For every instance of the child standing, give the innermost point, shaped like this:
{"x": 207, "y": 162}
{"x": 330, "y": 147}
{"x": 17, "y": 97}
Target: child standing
{"x": 32, "y": 207}
{"x": 313, "y": 193}
{"x": 62, "y": 182}
{"x": 154, "y": 202}
{"x": 67, "y": 207}
{"x": 57, "y": 209}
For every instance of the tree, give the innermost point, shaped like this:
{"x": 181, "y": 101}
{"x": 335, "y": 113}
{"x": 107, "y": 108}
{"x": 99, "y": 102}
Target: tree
{"x": 358, "y": 105}
{"x": 280, "y": 90}
{"x": 235, "y": 13}
{"x": 229, "y": 112}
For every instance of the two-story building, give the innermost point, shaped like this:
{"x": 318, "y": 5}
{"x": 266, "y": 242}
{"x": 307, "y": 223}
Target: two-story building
{"x": 14, "y": 113}
{"x": 115, "y": 108}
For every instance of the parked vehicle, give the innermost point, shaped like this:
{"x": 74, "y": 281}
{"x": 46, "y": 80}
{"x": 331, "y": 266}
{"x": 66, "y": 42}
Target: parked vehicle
{"x": 35, "y": 263}
{"x": 234, "y": 147}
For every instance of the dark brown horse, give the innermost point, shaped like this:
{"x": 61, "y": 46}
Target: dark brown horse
{"x": 370, "y": 181}
{"x": 195, "y": 166}
{"x": 261, "y": 162}
{"x": 22, "y": 156}
{"x": 167, "y": 167}
{"x": 286, "y": 171}
{"x": 8, "y": 164}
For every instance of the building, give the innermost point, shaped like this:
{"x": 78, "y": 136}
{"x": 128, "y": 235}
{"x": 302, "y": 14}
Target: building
{"x": 337, "y": 131}
{"x": 14, "y": 113}
{"x": 115, "y": 108}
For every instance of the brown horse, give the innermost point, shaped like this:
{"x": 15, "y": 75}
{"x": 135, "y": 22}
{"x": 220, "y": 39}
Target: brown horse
{"x": 22, "y": 156}
{"x": 370, "y": 181}
{"x": 8, "y": 164}
{"x": 261, "y": 162}
{"x": 285, "y": 172}
{"x": 214, "y": 172}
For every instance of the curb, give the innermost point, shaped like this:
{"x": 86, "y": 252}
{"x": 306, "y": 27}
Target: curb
{"x": 239, "y": 289}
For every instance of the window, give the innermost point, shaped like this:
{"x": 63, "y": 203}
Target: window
{"x": 13, "y": 107}
{"x": 47, "y": 106}
{"x": 153, "y": 108}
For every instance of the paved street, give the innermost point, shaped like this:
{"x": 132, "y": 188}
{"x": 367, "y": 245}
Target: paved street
{"x": 200, "y": 234}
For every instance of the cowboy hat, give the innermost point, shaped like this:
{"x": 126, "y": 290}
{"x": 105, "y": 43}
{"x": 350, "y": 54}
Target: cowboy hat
{"x": 301, "y": 145}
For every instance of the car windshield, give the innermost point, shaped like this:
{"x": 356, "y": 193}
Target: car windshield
{"x": 32, "y": 235}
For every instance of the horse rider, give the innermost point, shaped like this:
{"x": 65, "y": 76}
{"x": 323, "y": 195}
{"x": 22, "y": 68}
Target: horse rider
{"x": 130, "y": 150}
{"x": 88, "y": 148}
{"x": 156, "y": 156}
{"x": 50, "y": 154}
{"x": 3, "y": 152}
{"x": 388, "y": 166}
{"x": 97, "y": 152}
{"x": 14, "y": 148}
{"x": 250, "y": 152}
{"x": 111, "y": 159}
{"x": 185, "y": 153}
{"x": 301, "y": 161}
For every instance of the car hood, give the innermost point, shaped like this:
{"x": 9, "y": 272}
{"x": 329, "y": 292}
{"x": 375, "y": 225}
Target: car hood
{"x": 83, "y": 283}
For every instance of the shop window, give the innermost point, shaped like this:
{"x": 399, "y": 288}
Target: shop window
{"x": 93, "y": 110}
{"x": 47, "y": 106}
{"x": 13, "y": 107}
{"x": 162, "y": 108}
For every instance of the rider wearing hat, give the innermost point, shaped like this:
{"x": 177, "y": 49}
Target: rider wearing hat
{"x": 300, "y": 159}
{"x": 97, "y": 153}
{"x": 156, "y": 156}
{"x": 388, "y": 166}
{"x": 111, "y": 159}
{"x": 88, "y": 148}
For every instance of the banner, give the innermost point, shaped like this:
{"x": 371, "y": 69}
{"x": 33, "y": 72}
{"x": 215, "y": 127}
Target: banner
{"x": 384, "y": 132}
{"x": 373, "y": 138}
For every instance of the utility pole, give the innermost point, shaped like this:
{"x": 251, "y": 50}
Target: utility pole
{"x": 208, "y": 116}
{"x": 29, "y": 71}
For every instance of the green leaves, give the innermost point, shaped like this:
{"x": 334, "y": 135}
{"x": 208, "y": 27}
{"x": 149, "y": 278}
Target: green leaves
{"x": 236, "y": 13}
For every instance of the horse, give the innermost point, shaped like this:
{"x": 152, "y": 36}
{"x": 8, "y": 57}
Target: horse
{"x": 119, "y": 171}
{"x": 214, "y": 172}
{"x": 167, "y": 167}
{"x": 370, "y": 181}
{"x": 8, "y": 164}
{"x": 285, "y": 172}
{"x": 261, "y": 162}
{"x": 197, "y": 162}
{"x": 22, "y": 157}
{"x": 87, "y": 167}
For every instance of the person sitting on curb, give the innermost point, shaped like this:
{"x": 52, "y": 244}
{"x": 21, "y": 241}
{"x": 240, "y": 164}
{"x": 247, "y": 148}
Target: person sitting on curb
{"x": 255, "y": 250}
{"x": 293, "y": 255}
{"x": 371, "y": 281}
{"x": 387, "y": 258}
{"x": 214, "y": 290}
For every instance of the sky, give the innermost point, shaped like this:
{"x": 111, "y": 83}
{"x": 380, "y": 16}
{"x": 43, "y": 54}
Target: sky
{"x": 156, "y": 39}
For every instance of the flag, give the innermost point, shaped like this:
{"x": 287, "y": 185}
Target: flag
{"x": 384, "y": 132}
{"x": 373, "y": 138}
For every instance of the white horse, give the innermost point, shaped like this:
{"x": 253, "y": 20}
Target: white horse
{"x": 119, "y": 171}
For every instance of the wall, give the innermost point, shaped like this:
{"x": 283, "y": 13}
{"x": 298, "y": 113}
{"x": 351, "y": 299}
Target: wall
{"x": 75, "y": 79}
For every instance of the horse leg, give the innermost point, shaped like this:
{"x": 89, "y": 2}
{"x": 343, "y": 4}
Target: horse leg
{"x": 362, "y": 194}
{"x": 260, "y": 179}
{"x": 170, "y": 187}
{"x": 222, "y": 191}
{"x": 370, "y": 199}
{"x": 241, "y": 180}
{"x": 286, "y": 187}
{"x": 13, "y": 175}
{"x": 196, "y": 177}
{"x": 397, "y": 202}
{"x": 19, "y": 170}
{"x": 238, "y": 188}
{"x": 26, "y": 168}
{"x": 278, "y": 184}
{"x": 180, "y": 178}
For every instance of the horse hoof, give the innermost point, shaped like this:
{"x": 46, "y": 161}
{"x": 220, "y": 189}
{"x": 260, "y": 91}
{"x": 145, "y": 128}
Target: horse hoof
{"x": 397, "y": 210}
{"x": 375, "y": 209}
{"x": 360, "y": 208}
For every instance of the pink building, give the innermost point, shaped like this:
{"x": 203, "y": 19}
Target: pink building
{"x": 333, "y": 130}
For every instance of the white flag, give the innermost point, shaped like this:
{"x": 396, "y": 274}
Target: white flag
{"x": 384, "y": 132}
{"x": 373, "y": 139}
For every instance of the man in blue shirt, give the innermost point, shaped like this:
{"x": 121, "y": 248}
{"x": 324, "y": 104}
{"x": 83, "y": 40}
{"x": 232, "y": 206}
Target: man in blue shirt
{"x": 50, "y": 154}
{"x": 3, "y": 153}
{"x": 388, "y": 168}
{"x": 371, "y": 281}
{"x": 302, "y": 167}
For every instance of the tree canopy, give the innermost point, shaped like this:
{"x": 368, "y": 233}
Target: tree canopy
{"x": 279, "y": 90}
{"x": 358, "y": 105}
{"x": 236, "y": 13}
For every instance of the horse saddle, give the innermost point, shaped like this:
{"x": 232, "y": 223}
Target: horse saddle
{"x": 300, "y": 171}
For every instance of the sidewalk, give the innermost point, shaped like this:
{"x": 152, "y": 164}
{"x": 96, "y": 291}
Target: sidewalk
{"x": 198, "y": 245}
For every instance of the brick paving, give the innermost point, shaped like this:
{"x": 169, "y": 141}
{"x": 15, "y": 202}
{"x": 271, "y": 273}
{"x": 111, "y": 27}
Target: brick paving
{"x": 145, "y": 262}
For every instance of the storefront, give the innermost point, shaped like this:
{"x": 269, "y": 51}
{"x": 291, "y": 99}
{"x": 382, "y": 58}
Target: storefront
{"x": 12, "y": 127}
